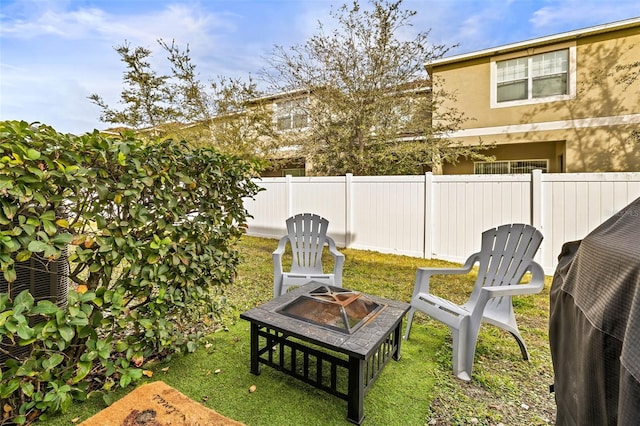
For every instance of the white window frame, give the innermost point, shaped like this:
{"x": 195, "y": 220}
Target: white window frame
{"x": 293, "y": 107}
{"x": 510, "y": 164}
{"x": 571, "y": 76}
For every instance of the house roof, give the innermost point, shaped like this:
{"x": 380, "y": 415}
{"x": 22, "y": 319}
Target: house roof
{"x": 415, "y": 86}
{"x": 555, "y": 38}
{"x": 282, "y": 95}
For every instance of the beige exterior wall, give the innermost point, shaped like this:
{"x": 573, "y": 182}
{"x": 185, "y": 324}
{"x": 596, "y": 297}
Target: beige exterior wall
{"x": 590, "y": 131}
{"x": 550, "y": 151}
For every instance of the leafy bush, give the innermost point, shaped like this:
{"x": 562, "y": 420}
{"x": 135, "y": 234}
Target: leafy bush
{"x": 150, "y": 230}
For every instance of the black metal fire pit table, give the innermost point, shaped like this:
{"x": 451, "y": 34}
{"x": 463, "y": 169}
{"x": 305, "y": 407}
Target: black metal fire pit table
{"x": 317, "y": 333}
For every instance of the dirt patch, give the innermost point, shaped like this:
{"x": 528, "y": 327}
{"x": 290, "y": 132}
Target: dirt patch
{"x": 510, "y": 391}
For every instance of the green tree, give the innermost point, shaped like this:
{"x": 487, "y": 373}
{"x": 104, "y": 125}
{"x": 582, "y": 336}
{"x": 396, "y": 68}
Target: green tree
{"x": 147, "y": 95}
{"x": 371, "y": 102}
{"x": 226, "y": 114}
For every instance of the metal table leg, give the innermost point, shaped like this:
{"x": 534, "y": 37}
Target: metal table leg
{"x": 355, "y": 403}
{"x": 255, "y": 350}
{"x": 397, "y": 339}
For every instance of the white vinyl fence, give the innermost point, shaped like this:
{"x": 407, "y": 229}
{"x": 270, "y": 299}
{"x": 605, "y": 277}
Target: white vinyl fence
{"x": 442, "y": 217}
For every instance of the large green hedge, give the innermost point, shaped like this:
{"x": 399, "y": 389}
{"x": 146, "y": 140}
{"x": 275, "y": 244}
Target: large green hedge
{"x": 150, "y": 230}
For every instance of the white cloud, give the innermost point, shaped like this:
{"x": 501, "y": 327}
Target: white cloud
{"x": 55, "y": 53}
{"x": 179, "y": 21}
{"x": 568, "y": 13}
{"x": 468, "y": 24}
{"x": 68, "y": 25}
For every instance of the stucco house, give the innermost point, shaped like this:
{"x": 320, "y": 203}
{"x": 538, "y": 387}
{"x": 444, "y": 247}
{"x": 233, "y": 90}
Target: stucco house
{"x": 291, "y": 119}
{"x": 293, "y": 115}
{"x": 568, "y": 102}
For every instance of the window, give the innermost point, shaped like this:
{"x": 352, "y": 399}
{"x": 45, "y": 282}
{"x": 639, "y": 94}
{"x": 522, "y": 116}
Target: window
{"x": 292, "y": 114}
{"x": 513, "y": 80}
{"x": 293, "y": 172}
{"x": 491, "y": 168}
{"x": 549, "y": 74}
{"x": 535, "y": 78}
{"x": 510, "y": 167}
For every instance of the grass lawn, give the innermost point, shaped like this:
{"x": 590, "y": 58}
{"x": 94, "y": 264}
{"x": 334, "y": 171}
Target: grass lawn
{"x": 420, "y": 389}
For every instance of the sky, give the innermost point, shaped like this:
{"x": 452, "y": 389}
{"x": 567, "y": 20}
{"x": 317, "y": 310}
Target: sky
{"x": 56, "y": 53}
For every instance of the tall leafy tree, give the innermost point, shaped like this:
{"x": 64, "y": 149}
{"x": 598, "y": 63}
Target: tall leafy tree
{"x": 146, "y": 95}
{"x": 227, "y": 113}
{"x": 371, "y": 103}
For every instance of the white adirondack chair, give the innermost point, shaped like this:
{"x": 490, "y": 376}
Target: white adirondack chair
{"x": 505, "y": 256}
{"x": 307, "y": 234}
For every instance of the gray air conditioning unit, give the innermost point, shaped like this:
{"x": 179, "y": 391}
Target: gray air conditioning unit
{"x": 45, "y": 280}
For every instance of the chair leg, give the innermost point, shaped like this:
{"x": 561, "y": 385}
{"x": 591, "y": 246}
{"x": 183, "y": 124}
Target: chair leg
{"x": 464, "y": 347}
{"x": 409, "y": 321}
{"x": 511, "y": 326}
{"x": 471, "y": 340}
{"x": 523, "y": 347}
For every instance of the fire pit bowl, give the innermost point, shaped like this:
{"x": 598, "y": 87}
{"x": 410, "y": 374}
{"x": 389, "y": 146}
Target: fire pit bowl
{"x": 333, "y": 307}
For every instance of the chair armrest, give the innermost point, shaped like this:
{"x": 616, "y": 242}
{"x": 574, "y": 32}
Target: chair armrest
{"x": 282, "y": 244}
{"x": 333, "y": 249}
{"x": 277, "y": 255}
{"x": 464, "y": 269}
{"x": 423, "y": 275}
{"x": 339, "y": 261}
{"x": 277, "y": 264}
{"x": 534, "y": 286}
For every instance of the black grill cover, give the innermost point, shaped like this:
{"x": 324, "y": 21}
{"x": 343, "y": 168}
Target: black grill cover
{"x": 594, "y": 325}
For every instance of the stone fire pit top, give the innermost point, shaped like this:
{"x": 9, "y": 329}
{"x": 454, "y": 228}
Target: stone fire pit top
{"x": 360, "y": 343}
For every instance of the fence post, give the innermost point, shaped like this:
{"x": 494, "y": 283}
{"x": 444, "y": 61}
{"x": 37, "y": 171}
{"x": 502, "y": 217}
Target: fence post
{"x": 289, "y": 194}
{"x": 348, "y": 205}
{"x": 428, "y": 215}
{"x": 536, "y": 209}
{"x": 536, "y": 199}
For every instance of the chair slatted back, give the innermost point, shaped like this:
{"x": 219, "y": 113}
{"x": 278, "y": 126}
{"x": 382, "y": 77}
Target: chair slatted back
{"x": 307, "y": 236}
{"x": 505, "y": 253}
